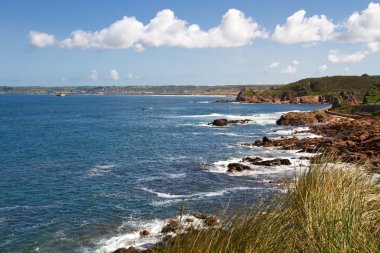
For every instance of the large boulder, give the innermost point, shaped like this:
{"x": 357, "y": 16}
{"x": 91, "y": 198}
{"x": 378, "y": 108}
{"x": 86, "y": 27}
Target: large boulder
{"x": 232, "y": 167}
{"x": 219, "y": 122}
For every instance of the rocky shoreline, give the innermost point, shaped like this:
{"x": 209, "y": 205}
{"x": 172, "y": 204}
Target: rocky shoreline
{"x": 353, "y": 140}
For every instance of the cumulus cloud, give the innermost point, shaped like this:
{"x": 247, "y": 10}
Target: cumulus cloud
{"x": 165, "y": 29}
{"x": 292, "y": 68}
{"x": 40, "y": 39}
{"x": 299, "y": 28}
{"x": 274, "y": 65}
{"x": 94, "y": 76}
{"x": 114, "y": 75}
{"x": 363, "y": 26}
{"x": 336, "y": 57}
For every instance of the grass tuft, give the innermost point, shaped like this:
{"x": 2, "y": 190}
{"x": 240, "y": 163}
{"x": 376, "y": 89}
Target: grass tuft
{"x": 332, "y": 207}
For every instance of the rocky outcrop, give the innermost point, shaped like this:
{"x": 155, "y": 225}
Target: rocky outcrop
{"x": 225, "y": 122}
{"x": 354, "y": 140}
{"x": 237, "y": 167}
{"x": 249, "y": 95}
{"x": 303, "y": 118}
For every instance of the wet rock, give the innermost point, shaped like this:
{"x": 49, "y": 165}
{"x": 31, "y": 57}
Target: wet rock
{"x": 252, "y": 160}
{"x": 144, "y": 233}
{"x": 171, "y": 226}
{"x": 274, "y": 162}
{"x": 278, "y": 182}
{"x": 232, "y": 167}
{"x": 129, "y": 250}
{"x": 225, "y": 122}
{"x": 219, "y": 122}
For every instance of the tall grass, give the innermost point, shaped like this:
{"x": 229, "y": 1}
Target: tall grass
{"x": 329, "y": 209}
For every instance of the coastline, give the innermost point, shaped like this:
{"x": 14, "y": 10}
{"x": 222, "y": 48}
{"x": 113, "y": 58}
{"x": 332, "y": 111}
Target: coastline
{"x": 310, "y": 147}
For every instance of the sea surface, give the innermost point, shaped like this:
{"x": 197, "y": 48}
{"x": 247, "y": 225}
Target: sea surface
{"x": 84, "y": 173}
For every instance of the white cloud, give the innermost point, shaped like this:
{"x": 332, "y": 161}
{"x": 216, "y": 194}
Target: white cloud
{"x": 114, "y": 75}
{"x": 336, "y": 57}
{"x": 362, "y": 26}
{"x": 165, "y": 29}
{"x": 322, "y": 69}
{"x": 130, "y": 76}
{"x": 94, "y": 76}
{"x": 292, "y": 68}
{"x": 274, "y": 65}
{"x": 289, "y": 70}
{"x": 39, "y": 39}
{"x": 373, "y": 47}
{"x": 298, "y": 29}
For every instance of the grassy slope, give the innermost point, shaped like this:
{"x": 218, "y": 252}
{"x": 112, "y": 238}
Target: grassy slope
{"x": 329, "y": 210}
{"x": 330, "y": 85}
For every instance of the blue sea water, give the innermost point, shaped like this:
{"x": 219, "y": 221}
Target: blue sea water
{"x": 79, "y": 172}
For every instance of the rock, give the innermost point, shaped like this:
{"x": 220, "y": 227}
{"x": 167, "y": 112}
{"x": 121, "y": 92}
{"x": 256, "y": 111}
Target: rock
{"x": 303, "y": 118}
{"x": 252, "y": 160}
{"x": 129, "y": 250}
{"x": 171, "y": 226}
{"x": 189, "y": 220}
{"x": 219, "y": 122}
{"x": 225, "y": 122}
{"x": 266, "y": 140}
{"x": 278, "y": 182}
{"x": 274, "y": 162}
{"x": 249, "y": 95}
{"x": 200, "y": 216}
{"x": 144, "y": 233}
{"x": 232, "y": 167}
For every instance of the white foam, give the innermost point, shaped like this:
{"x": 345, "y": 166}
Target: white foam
{"x": 125, "y": 240}
{"x": 133, "y": 238}
{"x": 260, "y": 118}
{"x": 100, "y": 170}
{"x": 297, "y": 165}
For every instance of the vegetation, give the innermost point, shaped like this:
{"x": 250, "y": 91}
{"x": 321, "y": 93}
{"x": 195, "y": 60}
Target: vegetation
{"x": 329, "y": 209}
{"x": 327, "y": 86}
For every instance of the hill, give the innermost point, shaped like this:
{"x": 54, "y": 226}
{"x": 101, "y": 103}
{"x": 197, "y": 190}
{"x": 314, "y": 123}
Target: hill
{"x": 317, "y": 90}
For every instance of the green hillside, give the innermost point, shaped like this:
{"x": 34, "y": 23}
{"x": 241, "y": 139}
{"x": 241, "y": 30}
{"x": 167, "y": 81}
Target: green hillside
{"x": 333, "y": 85}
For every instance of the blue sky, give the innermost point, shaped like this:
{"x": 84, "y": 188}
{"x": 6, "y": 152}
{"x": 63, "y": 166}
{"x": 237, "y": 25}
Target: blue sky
{"x": 99, "y": 42}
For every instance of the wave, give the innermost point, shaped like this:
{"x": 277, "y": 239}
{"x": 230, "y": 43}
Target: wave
{"x": 260, "y": 118}
{"x": 298, "y": 132}
{"x": 297, "y": 165}
{"x": 198, "y": 196}
{"x": 133, "y": 238}
{"x": 100, "y": 170}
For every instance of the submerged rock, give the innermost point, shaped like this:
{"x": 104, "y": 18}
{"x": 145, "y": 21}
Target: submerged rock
{"x": 225, "y": 122}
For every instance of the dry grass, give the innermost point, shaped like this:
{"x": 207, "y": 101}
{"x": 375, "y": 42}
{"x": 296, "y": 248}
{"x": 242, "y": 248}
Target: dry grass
{"x": 330, "y": 209}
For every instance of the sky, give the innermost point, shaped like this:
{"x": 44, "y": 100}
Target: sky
{"x": 198, "y": 42}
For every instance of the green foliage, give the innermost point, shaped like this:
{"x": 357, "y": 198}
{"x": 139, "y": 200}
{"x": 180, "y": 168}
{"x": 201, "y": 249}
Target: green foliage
{"x": 330, "y": 209}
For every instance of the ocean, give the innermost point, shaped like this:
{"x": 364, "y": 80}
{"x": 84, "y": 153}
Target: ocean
{"x": 86, "y": 173}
